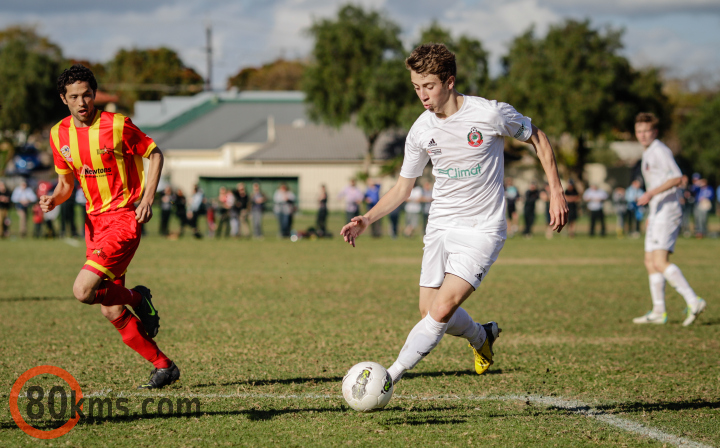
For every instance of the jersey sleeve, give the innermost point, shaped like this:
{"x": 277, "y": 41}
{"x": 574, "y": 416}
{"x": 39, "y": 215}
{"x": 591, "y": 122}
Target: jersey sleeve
{"x": 510, "y": 123}
{"x": 61, "y": 165}
{"x": 415, "y": 158}
{"x": 668, "y": 164}
{"x": 136, "y": 141}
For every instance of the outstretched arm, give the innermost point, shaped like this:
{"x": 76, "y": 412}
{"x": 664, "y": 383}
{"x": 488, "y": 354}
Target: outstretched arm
{"x": 389, "y": 202}
{"x": 63, "y": 190}
{"x": 144, "y": 211}
{"x": 558, "y": 204}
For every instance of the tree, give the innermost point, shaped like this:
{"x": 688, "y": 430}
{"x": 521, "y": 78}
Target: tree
{"x": 149, "y": 75}
{"x": 470, "y": 57}
{"x": 29, "y": 67}
{"x": 277, "y": 75}
{"x": 700, "y": 138}
{"x": 357, "y": 73}
{"x": 575, "y": 81}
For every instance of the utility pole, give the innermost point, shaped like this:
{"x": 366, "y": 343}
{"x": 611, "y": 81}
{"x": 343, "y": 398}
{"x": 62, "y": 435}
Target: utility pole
{"x": 208, "y": 50}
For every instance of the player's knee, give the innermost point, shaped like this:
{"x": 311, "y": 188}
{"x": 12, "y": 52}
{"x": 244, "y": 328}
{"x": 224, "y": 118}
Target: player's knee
{"x": 650, "y": 265}
{"x": 660, "y": 266}
{"x": 83, "y": 294}
{"x": 111, "y": 313}
{"x": 443, "y": 311}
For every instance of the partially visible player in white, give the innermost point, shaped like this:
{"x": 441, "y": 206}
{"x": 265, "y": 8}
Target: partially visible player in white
{"x": 662, "y": 176}
{"x": 463, "y": 136}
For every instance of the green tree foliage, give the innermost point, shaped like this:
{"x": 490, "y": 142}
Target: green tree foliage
{"x": 700, "y": 138}
{"x": 149, "y": 74}
{"x": 357, "y": 73}
{"x": 575, "y": 81}
{"x": 98, "y": 68}
{"x": 277, "y": 75}
{"x": 470, "y": 56}
{"x": 29, "y": 67}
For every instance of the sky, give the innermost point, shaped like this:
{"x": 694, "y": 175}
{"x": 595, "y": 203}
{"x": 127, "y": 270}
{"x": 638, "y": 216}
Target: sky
{"x": 682, "y": 37}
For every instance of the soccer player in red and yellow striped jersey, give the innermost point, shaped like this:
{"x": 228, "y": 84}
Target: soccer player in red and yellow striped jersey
{"x": 104, "y": 152}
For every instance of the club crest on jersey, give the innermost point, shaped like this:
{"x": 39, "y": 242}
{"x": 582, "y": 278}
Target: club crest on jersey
{"x": 475, "y": 138}
{"x": 65, "y": 151}
{"x": 100, "y": 253}
{"x": 104, "y": 151}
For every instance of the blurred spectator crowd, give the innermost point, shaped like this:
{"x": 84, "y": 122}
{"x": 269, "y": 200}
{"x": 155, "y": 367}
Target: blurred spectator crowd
{"x": 239, "y": 211}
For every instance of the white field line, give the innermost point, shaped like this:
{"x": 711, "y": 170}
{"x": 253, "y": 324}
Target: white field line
{"x": 576, "y": 407}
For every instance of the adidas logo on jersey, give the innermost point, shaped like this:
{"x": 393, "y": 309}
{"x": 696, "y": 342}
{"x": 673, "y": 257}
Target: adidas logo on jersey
{"x": 432, "y": 143}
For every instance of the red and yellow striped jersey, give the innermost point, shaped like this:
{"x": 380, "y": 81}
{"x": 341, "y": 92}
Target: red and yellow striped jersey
{"x": 106, "y": 158}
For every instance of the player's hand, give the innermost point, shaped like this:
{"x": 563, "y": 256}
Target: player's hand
{"x": 644, "y": 199}
{"x": 143, "y": 213}
{"x": 354, "y": 228}
{"x": 46, "y": 203}
{"x": 558, "y": 211}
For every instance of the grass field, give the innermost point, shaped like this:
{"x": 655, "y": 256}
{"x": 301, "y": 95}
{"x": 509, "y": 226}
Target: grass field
{"x": 264, "y": 331}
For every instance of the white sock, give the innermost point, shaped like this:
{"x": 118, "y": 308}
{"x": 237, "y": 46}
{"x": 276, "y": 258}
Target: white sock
{"x": 657, "y": 292}
{"x": 462, "y": 325}
{"x": 674, "y": 276}
{"x": 424, "y": 337}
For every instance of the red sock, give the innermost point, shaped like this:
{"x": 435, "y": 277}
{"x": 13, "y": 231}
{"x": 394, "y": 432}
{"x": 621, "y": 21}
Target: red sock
{"x": 135, "y": 337}
{"x": 110, "y": 293}
{"x": 119, "y": 280}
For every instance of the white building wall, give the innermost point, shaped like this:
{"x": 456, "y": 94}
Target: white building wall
{"x": 184, "y": 172}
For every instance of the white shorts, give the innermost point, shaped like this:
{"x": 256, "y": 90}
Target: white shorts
{"x": 465, "y": 253}
{"x": 663, "y": 229}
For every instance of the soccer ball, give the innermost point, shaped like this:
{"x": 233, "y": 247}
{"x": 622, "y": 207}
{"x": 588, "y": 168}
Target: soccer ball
{"x": 367, "y": 387}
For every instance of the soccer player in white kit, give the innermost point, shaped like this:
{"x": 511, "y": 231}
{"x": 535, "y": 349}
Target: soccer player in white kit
{"x": 463, "y": 136}
{"x": 662, "y": 176}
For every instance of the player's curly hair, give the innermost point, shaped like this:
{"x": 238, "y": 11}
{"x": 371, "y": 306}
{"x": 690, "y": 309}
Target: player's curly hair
{"x": 647, "y": 117}
{"x": 77, "y": 72}
{"x": 432, "y": 59}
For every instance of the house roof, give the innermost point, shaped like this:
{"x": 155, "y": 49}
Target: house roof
{"x": 211, "y": 125}
{"x": 208, "y": 121}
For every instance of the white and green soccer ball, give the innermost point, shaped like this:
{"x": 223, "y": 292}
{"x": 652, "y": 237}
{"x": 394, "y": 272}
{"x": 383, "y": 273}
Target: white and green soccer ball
{"x": 367, "y": 387}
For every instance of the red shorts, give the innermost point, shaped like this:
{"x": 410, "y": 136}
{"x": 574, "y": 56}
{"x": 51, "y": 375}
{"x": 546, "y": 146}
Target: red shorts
{"x": 111, "y": 239}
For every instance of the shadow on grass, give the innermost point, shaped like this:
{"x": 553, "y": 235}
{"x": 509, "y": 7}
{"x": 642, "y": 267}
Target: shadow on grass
{"x": 251, "y": 414}
{"x": 32, "y": 299}
{"x": 709, "y": 322}
{"x": 319, "y": 380}
{"x": 633, "y": 407}
{"x": 418, "y": 420}
{"x": 450, "y": 373}
{"x": 271, "y": 382}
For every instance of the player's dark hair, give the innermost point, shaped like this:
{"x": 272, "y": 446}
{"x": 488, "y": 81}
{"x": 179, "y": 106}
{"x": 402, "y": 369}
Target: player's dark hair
{"x": 432, "y": 59}
{"x": 647, "y": 117}
{"x": 77, "y": 72}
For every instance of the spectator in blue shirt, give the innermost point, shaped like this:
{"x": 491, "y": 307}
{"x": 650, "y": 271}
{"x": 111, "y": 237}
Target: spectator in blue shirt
{"x": 634, "y": 211}
{"x": 717, "y": 199}
{"x": 371, "y": 198}
{"x": 704, "y": 199}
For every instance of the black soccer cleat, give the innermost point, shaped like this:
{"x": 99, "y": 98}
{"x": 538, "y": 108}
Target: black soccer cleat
{"x": 160, "y": 378}
{"x": 146, "y": 312}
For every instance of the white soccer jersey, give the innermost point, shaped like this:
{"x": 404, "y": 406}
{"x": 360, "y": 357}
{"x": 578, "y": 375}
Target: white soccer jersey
{"x": 467, "y": 154}
{"x": 658, "y": 166}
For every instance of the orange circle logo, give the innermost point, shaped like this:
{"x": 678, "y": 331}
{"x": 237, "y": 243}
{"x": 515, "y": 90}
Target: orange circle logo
{"x": 15, "y": 411}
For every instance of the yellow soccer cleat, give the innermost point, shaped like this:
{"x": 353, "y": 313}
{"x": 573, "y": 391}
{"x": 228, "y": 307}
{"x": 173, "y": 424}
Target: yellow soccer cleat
{"x": 484, "y": 357}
